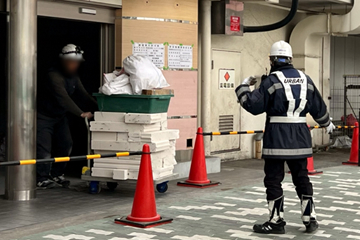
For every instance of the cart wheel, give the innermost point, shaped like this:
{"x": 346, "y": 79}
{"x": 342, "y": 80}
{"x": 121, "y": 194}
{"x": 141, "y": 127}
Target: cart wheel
{"x": 162, "y": 187}
{"x": 112, "y": 185}
{"x": 94, "y": 187}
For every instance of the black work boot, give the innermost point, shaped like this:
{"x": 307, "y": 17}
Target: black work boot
{"x": 276, "y": 224}
{"x": 45, "y": 184}
{"x": 61, "y": 181}
{"x": 308, "y": 214}
{"x": 270, "y": 228}
{"x": 312, "y": 226}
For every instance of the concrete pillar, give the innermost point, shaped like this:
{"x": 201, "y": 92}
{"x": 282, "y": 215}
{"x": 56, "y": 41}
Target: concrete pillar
{"x": 21, "y": 138}
{"x": 205, "y": 27}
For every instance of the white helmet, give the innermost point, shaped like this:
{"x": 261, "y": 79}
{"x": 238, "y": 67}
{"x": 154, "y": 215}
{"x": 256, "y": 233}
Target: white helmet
{"x": 281, "y": 49}
{"x": 72, "y": 52}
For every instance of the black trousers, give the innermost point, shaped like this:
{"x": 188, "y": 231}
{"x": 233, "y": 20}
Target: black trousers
{"x": 53, "y": 140}
{"x": 275, "y": 173}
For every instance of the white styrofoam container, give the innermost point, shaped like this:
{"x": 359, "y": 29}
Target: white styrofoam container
{"x": 101, "y": 172}
{"x": 169, "y": 161}
{"x": 109, "y": 116}
{"x": 164, "y": 116}
{"x": 117, "y": 161}
{"x": 120, "y": 174}
{"x": 116, "y": 166}
{"x": 110, "y": 145}
{"x": 123, "y": 127}
{"x": 163, "y": 174}
{"x": 143, "y": 118}
{"x": 155, "y": 155}
{"x": 156, "y": 136}
{"x": 165, "y": 169}
{"x": 110, "y": 136}
{"x": 156, "y": 164}
{"x": 125, "y": 146}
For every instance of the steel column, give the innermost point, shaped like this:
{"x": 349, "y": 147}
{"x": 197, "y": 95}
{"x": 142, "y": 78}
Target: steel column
{"x": 205, "y": 26}
{"x": 21, "y": 138}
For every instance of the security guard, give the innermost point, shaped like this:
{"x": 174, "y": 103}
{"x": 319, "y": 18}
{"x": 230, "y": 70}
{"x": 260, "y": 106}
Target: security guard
{"x": 55, "y": 100}
{"x": 286, "y": 96}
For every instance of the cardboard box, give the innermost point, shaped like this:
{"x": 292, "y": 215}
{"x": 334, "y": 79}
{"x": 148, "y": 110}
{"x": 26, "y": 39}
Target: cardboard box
{"x": 158, "y": 92}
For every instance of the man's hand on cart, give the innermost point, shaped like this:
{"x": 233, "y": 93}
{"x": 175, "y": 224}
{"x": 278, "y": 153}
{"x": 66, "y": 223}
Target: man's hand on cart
{"x": 87, "y": 115}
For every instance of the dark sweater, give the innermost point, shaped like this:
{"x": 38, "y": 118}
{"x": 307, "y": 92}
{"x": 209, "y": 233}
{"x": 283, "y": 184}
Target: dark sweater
{"x": 55, "y": 95}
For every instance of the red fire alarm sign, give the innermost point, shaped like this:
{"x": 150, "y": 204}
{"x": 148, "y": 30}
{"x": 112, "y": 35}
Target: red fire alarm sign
{"x": 235, "y": 23}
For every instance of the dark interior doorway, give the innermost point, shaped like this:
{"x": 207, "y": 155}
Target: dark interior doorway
{"x": 53, "y": 35}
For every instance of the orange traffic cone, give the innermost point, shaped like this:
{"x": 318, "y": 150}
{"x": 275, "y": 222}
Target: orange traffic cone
{"x": 198, "y": 174}
{"x": 354, "y": 153}
{"x": 310, "y": 167}
{"x": 310, "y": 164}
{"x": 143, "y": 212}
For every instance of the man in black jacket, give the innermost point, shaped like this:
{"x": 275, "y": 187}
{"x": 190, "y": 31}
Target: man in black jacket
{"x": 55, "y": 100}
{"x": 286, "y": 96}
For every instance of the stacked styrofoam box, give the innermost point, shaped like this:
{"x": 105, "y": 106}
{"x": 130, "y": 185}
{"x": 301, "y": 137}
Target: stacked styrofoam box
{"x": 128, "y": 132}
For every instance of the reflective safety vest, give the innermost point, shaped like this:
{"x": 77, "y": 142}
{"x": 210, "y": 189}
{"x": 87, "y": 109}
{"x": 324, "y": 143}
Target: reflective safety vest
{"x": 293, "y": 115}
{"x": 286, "y": 96}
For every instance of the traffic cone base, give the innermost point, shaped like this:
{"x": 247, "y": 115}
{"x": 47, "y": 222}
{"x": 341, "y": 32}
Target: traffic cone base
{"x": 125, "y": 221}
{"x": 315, "y": 172}
{"x": 310, "y": 167}
{"x": 198, "y": 185}
{"x": 350, "y": 163}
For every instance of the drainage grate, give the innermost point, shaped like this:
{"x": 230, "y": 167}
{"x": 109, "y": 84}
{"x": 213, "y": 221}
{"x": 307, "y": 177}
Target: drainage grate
{"x": 226, "y": 123}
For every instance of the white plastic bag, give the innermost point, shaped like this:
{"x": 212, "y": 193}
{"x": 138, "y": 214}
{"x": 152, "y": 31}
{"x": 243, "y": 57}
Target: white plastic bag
{"x": 116, "y": 85}
{"x": 144, "y": 75}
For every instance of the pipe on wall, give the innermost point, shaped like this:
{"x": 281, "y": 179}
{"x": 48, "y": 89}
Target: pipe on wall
{"x": 274, "y": 26}
{"x": 306, "y": 40}
{"x": 21, "y": 137}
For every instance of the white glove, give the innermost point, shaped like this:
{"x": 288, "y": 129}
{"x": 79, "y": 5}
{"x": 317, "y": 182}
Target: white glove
{"x": 249, "y": 81}
{"x": 330, "y": 128}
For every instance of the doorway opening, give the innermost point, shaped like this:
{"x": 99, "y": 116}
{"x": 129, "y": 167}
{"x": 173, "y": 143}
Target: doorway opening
{"x": 53, "y": 35}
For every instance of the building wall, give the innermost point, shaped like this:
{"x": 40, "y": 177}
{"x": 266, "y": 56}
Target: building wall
{"x": 132, "y": 28}
{"x": 254, "y": 48}
{"x": 345, "y": 60}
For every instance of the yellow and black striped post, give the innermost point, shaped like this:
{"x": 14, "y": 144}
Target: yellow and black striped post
{"x": 67, "y": 159}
